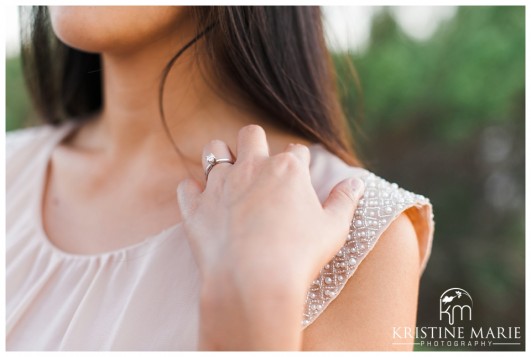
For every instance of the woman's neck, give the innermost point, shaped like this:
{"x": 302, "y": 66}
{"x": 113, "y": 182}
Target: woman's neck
{"x": 130, "y": 124}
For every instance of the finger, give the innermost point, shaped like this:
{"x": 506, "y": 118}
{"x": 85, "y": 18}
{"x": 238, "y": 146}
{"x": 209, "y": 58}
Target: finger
{"x": 302, "y": 152}
{"x": 343, "y": 199}
{"x": 252, "y": 142}
{"x": 220, "y": 150}
{"x": 188, "y": 192}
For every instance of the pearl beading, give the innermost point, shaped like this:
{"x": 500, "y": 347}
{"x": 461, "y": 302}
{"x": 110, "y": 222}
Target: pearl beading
{"x": 380, "y": 204}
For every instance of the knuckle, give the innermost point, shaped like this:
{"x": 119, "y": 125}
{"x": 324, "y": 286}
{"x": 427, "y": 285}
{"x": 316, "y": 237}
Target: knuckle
{"x": 291, "y": 146}
{"x": 302, "y": 152}
{"x": 216, "y": 143}
{"x": 208, "y": 146}
{"x": 344, "y": 193}
{"x": 251, "y": 129}
{"x": 285, "y": 161}
{"x": 303, "y": 148}
{"x": 299, "y": 146}
{"x": 287, "y": 158}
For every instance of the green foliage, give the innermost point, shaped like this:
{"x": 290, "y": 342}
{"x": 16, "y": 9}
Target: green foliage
{"x": 468, "y": 74}
{"x": 18, "y": 107}
{"x": 445, "y": 118}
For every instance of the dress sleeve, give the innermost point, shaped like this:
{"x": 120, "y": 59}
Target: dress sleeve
{"x": 381, "y": 203}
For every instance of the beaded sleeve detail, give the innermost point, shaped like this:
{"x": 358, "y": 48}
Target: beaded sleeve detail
{"x": 381, "y": 203}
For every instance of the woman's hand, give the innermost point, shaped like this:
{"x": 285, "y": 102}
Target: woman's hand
{"x": 260, "y": 236}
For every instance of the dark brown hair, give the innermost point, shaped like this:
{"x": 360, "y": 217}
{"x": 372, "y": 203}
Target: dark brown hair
{"x": 273, "y": 56}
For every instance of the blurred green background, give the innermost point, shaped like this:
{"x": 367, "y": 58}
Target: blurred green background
{"x": 443, "y": 117}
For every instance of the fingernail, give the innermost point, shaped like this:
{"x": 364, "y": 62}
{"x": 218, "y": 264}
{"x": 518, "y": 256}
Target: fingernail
{"x": 356, "y": 184}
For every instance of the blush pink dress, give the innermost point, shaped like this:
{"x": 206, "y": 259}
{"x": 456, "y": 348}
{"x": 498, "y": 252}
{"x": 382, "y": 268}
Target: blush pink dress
{"x": 145, "y": 296}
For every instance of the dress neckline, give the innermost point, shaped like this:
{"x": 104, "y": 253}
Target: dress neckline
{"x": 135, "y": 249}
{"x": 128, "y": 251}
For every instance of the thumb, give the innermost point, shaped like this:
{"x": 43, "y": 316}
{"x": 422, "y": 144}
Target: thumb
{"x": 188, "y": 192}
{"x": 343, "y": 199}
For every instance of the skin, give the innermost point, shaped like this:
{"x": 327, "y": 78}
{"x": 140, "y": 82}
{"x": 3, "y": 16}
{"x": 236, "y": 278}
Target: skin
{"x": 117, "y": 175}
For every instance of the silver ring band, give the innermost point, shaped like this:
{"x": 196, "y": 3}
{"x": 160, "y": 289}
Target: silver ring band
{"x": 212, "y": 161}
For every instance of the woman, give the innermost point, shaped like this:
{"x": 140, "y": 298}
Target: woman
{"x": 265, "y": 232}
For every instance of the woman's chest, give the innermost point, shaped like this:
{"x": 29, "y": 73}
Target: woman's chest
{"x": 91, "y": 212}
{"x": 144, "y": 298}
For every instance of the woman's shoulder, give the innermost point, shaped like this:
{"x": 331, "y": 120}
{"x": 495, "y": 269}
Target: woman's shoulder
{"x": 28, "y": 146}
{"x": 327, "y": 170}
{"x": 33, "y": 139}
{"x": 29, "y": 139}
{"x": 384, "y": 205}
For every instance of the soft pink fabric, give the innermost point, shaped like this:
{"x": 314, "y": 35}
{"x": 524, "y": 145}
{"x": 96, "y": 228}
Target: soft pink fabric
{"x": 145, "y": 296}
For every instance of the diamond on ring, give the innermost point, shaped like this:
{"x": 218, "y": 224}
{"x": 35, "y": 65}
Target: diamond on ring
{"x": 212, "y": 161}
